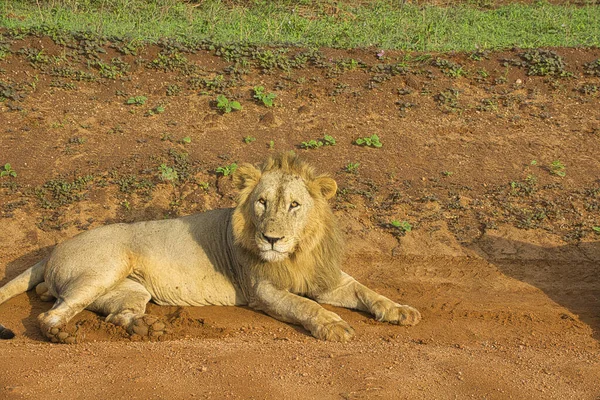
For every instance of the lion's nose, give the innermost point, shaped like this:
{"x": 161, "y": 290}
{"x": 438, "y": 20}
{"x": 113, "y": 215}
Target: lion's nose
{"x": 272, "y": 240}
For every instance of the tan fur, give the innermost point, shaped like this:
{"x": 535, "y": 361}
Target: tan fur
{"x": 278, "y": 251}
{"x": 314, "y": 266}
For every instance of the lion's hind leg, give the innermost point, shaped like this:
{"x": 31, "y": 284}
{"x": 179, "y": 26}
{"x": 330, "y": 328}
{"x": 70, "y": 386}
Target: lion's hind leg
{"x": 125, "y": 305}
{"x": 53, "y": 322}
{"x": 75, "y": 287}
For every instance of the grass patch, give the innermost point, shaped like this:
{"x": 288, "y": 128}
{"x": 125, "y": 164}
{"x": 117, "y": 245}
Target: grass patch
{"x": 386, "y": 24}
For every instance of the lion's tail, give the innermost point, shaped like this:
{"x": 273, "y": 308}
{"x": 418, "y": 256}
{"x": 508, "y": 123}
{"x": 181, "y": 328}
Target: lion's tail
{"x": 22, "y": 283}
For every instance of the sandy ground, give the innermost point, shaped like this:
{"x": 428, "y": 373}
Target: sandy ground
{"x": 502, "y": 259}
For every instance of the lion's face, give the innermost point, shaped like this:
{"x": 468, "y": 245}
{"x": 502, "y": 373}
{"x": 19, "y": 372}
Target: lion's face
{"x": 281, "y": 206}
{"x": 280, "y": 209}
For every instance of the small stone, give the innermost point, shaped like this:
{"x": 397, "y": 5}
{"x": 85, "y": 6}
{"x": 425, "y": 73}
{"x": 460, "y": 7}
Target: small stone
{"x": 268, "y": 118}
{"x": 303, "y": 109}
{"x": 158, "y": 326}
{"x": 70, "y": 340}
{"x": 140, "y": 330}
{"x": 135, "y": 338}
{"x": 413, "y": 83}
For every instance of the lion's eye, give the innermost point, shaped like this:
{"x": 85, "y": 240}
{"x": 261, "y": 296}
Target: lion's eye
{"x": 294, "y": 204}
{"x": 262, "y": 201}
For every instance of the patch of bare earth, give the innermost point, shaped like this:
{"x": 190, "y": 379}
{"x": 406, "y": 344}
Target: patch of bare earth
{"x": 502, "y": 258}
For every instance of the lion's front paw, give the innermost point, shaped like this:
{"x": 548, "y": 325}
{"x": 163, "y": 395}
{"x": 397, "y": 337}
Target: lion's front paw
{"x": 147, "y": 326}
{"x": 398, "y": 314}
{"x": 336, "y": 331}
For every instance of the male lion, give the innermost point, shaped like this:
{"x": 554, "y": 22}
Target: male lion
{"x": 277, "y": 250}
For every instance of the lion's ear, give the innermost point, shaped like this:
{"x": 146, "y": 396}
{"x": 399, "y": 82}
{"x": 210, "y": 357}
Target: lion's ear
{"x": 327, "y": 186}
{"x": 246, "y": 175}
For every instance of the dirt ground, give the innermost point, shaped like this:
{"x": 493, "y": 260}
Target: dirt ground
{"x": 481, "y": 209}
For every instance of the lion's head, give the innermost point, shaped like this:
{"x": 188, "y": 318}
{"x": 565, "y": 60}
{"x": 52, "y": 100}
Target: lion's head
{"x": 282, "y": 208}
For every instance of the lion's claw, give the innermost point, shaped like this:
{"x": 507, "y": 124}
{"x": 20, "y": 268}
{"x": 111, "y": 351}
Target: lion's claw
{"x": 397, "y": 314}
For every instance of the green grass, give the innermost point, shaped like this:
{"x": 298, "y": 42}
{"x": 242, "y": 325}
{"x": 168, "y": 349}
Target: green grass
{"x": 385, "y": 24}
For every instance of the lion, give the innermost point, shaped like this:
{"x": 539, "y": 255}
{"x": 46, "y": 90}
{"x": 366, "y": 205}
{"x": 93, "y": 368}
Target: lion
{"x": 278, "y": 251}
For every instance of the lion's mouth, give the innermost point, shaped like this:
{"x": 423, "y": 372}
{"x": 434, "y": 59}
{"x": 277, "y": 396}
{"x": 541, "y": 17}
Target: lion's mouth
{"x": 272, "y": 255}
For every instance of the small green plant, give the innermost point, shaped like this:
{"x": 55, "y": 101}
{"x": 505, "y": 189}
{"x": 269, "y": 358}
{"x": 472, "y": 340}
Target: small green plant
{"x": 403, "y": 226}
{"x": 449, "y": 68}
{"x": 226, "y": 106}
{"x": 58, "y": 124}
{"x": 372, "y": 141}
{"x": 156, "y": 110}
{"x": 271, "y": 144}
{"x": 543, "y": 63}
{"x": 557, "y": 168}
{"x": 447, "y": 173}
{"x": 34, "y": 56}
{"x": 483, "y": 73}
{"x": 488, "y": 105}
{"x": 186, "y": 140}
{"x": 261, "y": 95}
{"x": 596, "y": 229}
{"x": 352, "y": 168}
{"x": 117, "y": 68}
{"x": 166, "y": 173}
{"x": 479, "y": 55}
{"x": 173, "y": 90}
{"x": 60, "y": 192}
{"x": 203, "y": 185}
{"x": 8, "y": 171}
{"x": 533, "y": 162}
{"x": 249, "y": 139}
{"x": 531, "y": 179}
{"x": 312, "y": 144}
{"x": 448, "y": 100}
{"x": 524, "y": 188}
{"x": 168, "y": 61}
{"x": 77, "y": 140}
{"x": 137, "y": 100}
{"x": 116, "y": 129}
{"x": 227, "y": 169}
{"x": 327, "y": 140}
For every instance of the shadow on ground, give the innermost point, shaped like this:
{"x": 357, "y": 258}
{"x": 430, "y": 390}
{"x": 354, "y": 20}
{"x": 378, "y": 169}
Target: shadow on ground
{"x": 569, "y": 275}
{"x": 18, "y": 265}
